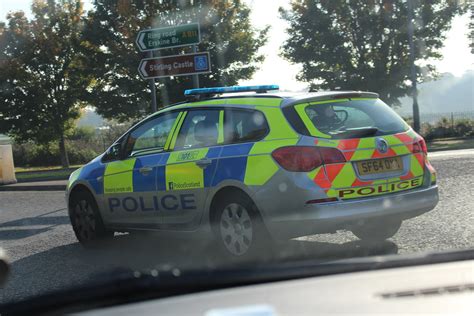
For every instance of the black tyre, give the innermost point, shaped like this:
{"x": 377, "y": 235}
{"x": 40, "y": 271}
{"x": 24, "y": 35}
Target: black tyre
{"x": 377, "y": 230}
{"x": 238, "y": 228}
{"x": 86, "y": 221}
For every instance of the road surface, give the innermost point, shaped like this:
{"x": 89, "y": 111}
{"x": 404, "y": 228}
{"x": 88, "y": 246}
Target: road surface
{"x": 45, "y": 256}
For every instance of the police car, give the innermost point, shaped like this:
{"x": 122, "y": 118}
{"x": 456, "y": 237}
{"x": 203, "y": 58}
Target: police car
{"x": 246, "y": 166}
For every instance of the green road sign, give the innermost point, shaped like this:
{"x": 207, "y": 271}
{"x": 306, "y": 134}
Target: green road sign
{"x": 168, "y": 37}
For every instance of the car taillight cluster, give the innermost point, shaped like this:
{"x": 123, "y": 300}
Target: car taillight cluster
{"x": 419, "y": 146}
{"x": 305, "y": 158}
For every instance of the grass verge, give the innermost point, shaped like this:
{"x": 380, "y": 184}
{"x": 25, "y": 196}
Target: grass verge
{"x": 43, "y": 174}
{"x": 450, "y": 144}
{"x": 49, "y": 168}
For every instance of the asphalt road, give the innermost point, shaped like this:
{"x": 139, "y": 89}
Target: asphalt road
{"x": 36, "y": 234}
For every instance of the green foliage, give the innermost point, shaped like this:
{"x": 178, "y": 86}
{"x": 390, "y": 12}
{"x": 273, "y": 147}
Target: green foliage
{"x": 42, "y": 71}
{"x": 85, "y": 133}
{"x": 464, "y": 127}
{"x": 111, "y": 29}
{"x": 112, "y": 131}
{"x": 30, "y": 154}
{"x": 444, "y": 128}
{"x": 84, "y": 144}
{"x": 363, "y": 45}
{"x": 43, "y": 75}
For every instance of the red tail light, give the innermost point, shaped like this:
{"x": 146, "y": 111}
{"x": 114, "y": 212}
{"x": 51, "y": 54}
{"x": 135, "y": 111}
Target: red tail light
{"x": 304, "y": 159}
{"x": 420, "y": 146}
{"x": 331, "y": 155}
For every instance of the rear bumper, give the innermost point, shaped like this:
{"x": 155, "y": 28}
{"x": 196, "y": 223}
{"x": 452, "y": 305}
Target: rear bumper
{"x": 328, "y": 217}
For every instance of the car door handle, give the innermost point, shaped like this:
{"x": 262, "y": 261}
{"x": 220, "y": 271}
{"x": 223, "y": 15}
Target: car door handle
{"x": 145, "y": 170}
{"x": 203, "y": 163}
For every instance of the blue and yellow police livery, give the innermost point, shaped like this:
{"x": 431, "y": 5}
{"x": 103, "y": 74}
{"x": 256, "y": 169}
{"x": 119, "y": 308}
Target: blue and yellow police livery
{"x": 248, "y": 165}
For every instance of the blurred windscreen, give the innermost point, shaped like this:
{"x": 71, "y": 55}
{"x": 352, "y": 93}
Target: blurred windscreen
{"x": 76, "y": 75}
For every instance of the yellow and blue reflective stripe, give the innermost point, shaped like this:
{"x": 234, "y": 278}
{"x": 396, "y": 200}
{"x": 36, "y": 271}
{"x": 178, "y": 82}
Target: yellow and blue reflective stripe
{"x": 146, "y": 183}
{"x": 73, "y": 177}
{"x": 233, "y": 150}
{"x": 260, "y": 164}
{"x": 259, "y": 169}
{"x": 92, "y": 173}
{"x": 182, "y": 172}
{"x": 118, "y": 176}
{"x": 232, "y": 163}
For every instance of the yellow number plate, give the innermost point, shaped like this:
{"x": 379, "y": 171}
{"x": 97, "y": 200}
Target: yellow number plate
{"x": 376, "y": 166}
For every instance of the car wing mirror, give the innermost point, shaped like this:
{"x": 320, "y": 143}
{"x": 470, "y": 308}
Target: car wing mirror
{"x": 114, "y": 152}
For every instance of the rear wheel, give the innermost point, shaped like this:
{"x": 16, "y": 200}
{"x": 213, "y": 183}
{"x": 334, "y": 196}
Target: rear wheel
{"x": 238, "y": 228}
{"x": 86, "y": 221}
{"x": 377, "y": 230}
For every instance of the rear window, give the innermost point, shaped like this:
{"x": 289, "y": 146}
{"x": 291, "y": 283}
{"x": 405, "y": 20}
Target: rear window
{"x": 350, "y": 118}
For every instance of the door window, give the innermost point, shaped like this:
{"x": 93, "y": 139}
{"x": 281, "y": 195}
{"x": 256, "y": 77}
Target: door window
{"x": 150, "y": 136}
{"x": 200, "y": 129}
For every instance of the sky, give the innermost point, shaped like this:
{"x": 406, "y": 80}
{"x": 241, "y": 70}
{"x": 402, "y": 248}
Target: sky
{"x": 457, "y": 58}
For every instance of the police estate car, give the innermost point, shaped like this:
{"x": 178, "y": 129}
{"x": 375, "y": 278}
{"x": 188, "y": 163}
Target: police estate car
{"x": 249, "y": 166}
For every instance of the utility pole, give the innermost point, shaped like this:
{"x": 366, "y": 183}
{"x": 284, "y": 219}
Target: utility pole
{"x": 416, "y": 110}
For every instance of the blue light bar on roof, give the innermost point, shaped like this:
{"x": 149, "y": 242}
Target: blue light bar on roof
{"x": 219, "y": 90}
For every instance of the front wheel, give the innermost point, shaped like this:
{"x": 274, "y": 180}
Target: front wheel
{"x": 377, "y": 230}
{"x": 86, "y": 221}
{"x": 238, "y": 228}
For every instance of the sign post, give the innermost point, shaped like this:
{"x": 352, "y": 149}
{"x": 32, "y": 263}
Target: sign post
{"x": 151, "y": 82}
{"x": 196, "y": 77}
{"x": 177, "y": 65}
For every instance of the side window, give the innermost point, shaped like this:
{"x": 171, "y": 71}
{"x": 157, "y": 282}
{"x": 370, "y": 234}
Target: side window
{"x": 151, "y": 135}
{"x": 200, "y": 129}
{"x": 244, "y": 126}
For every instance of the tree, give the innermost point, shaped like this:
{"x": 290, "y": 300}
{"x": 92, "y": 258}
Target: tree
{"x": 112, "y": 27}
{"x": 363, "y": 45}
{"x": 42, "y": 73}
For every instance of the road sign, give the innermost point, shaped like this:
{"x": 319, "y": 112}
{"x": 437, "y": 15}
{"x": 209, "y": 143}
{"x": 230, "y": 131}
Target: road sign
{"x": 177, "y": 65}
{"x": 168, "y": 37}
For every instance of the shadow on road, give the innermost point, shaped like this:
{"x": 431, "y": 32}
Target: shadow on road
{"x": 18, "y": 229}
{"x": 12, "y": 234}
{"x": 72, "y": 265}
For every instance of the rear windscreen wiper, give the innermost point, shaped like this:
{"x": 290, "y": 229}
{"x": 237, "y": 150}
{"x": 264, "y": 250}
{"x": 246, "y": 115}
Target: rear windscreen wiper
{"x": 356, "y": 132}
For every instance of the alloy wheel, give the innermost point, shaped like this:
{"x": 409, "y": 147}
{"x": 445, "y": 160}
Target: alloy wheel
{"x": 236, "y": 229}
